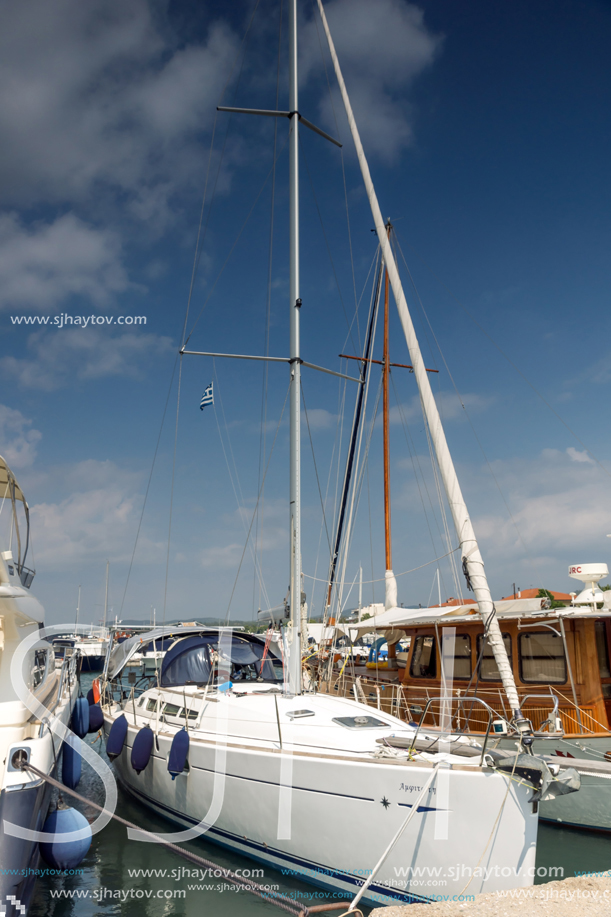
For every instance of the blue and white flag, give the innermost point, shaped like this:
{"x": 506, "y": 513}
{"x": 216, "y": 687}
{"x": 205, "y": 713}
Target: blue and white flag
{"x": 207, "y": 397}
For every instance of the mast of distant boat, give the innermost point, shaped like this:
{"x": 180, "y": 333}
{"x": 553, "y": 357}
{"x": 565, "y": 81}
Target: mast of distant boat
{"x": 78, "y": 610}
{"x": 473, "y": 564}
{"x": 106, "y": 595}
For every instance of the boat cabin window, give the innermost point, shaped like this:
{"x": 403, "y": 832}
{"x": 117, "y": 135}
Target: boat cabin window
{"x": 151, "y": 705}
{"x": 462, "y": 657}
{"x": 488, "y": 670}
{"x": 424, "y": 658}
{"x": 171, "y": 710}
{"x": 602, "y": 649}
{"x": 542, "y": 659}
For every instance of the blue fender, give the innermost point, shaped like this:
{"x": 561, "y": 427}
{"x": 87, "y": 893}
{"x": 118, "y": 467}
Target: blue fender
{"x": 96, "y": 718}
{"x": 80, "y": 717}
{"x": 116, "y": 737}
{"x": 71, "y": 766}
{"x": 66, "y": 855}
{"x": 178, "y": 753}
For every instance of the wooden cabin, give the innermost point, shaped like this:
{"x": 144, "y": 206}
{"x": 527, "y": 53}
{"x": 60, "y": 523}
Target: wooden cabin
{"x": 580, "y": 677}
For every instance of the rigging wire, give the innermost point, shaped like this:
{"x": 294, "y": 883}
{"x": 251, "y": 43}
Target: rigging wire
{"x": 458, "y": 395}
{"x": 237, "y": 239}
{"x": 239, "y": 499}
{"x": 237, "y": 576}
{"x": 265, "y": 379}
{"x": 322, "y": 505}
{"x": 324, "y": 63}
{"x": 324, "y": 233}
{"x": 167, "y": 560}
{"x": 148, "y": 486}
{"x": 418, "y": 473}
{"x": 199, "y": 250}
{"x": 510, "y": 361}
{"x": 367, "y": 582}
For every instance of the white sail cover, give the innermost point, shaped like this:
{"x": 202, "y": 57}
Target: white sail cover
{"x": 391, "y": 590}
{"x": 470, "y": 553}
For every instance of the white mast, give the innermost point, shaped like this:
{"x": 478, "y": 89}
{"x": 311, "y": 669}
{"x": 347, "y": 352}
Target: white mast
{"x": 294, "y": 665}
{"x": 106, "y": 595}
{"x": 78, "y": 608}
{"x": 470, "y": 553}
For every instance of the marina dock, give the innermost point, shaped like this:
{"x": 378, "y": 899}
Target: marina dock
{"x": 575, "y": 897}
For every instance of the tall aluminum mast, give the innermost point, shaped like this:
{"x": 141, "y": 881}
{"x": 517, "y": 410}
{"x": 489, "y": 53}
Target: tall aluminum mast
{"x": 294, "y": 665}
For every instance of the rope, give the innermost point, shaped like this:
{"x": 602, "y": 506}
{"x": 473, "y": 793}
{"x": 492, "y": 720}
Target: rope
{"x": 167, "y": 560}
{"x": 248, "y": 885}
{"x": 366, "y": 582}
{"x": 511, "y": 363}
{"x": 199, "y": 249}
{"x": 239, "y": 499}
{"x": 322, "y": 505}
{"x": 235, "y": 582}
{"x": 328, "y": 247}
{"x": 324, "y": 63}
{"x": 236, "y": 240}
{"x": 462, "y": 404}
{"x": 496, "y": 821}
{"x": 419, "y": 475}
{"x": 148, "y": 486}
{"x": 265, "y": 378}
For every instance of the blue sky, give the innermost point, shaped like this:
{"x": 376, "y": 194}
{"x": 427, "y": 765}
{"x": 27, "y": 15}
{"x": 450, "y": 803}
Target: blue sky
{"x": 487, "y": 129}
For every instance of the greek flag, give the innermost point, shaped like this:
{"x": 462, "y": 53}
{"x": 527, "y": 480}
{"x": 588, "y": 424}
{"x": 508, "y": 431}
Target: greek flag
{"x": 207, "y": 397}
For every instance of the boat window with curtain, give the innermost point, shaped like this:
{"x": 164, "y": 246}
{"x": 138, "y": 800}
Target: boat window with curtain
{"x": 489, "y": 670}
{"x": 424, "y": 658}
{"x": 542, "y": 659}
{"x": 462, "y": 656}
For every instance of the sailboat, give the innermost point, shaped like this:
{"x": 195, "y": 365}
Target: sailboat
{"x": 224, "y": 740}
{"x": 27, "y": 672}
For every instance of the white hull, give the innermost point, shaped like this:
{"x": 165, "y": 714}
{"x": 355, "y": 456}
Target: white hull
{"x": 346, "y": 808}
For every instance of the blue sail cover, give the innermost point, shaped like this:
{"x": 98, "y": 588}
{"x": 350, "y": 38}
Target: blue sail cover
{"x": 189, "y": 661}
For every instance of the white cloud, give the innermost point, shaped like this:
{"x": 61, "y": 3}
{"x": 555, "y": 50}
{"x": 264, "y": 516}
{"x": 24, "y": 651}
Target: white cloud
{"x": 382, "y": 47}
{"x": 576, "y": 456}
{"x": 97, "y": 520}
{"x": 227, "y": 556}
{"x": 558, "y": 506}
{"x": 48, "y": 263}
{"x": 100, "y": 95}
{"x": 18, "y": 440}
{"x": 58, "y": 357}
{"x": 448, "y": 403}
{"x": 318, "y": 419}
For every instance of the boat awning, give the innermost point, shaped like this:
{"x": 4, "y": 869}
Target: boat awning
{"x": 123, "y": 652}
{"x": 398, "y": 619}
{"x": 8, "y": 483}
